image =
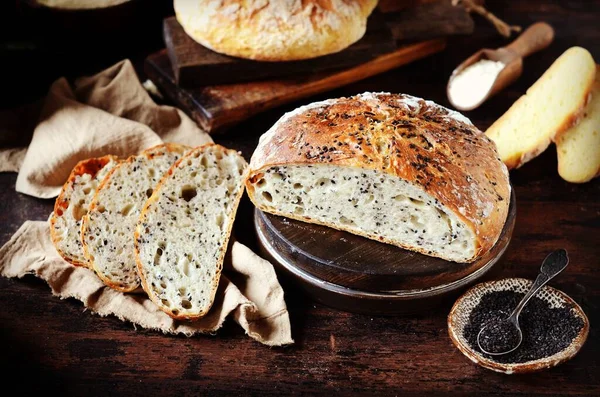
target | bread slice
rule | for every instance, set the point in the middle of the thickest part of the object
(107, 229)
(73, 203)
(182, 234)
(551, 105)
(579, 147)
(389, 167)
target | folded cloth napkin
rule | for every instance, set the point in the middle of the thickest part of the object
(11, 159)
(111, 113)
(258, 305)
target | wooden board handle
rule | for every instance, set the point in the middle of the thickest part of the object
(537, 37)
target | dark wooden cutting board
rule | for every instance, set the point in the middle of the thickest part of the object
(216, 107)
(195, 65)
(358, 274)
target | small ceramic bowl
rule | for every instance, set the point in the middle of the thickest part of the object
(459, 317)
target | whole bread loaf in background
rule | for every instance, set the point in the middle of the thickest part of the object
(393, 168)
(269, 30)
(182, 234)
(72, 204)
(107, 229)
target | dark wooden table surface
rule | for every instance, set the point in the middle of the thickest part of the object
(49, 344)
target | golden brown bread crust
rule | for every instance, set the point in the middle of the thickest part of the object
(274, 30)
(153, 198)
(149, 153)
(90, 166)
(403, 136)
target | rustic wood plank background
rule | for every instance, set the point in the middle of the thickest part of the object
(53, 345)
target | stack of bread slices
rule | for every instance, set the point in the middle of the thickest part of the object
(160, 220)
(562, 106)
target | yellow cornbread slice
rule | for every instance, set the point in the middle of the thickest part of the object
(551, 105)
(579, 147)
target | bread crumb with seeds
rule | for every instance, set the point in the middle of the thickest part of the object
(72, 204)
(182, 235)
(107, 229)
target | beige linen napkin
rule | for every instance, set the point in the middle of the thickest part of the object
(111, 113)
(258, 305)
(12, 159)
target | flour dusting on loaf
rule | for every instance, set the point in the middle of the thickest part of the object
(271, 30)
(390, 167)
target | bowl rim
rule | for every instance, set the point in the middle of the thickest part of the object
(528, 366)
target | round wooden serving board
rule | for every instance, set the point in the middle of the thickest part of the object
(354, 273)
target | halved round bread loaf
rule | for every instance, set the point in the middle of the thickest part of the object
(72, 205)
(274, 30)
(393, 168)
(182, 234)
(107, 229)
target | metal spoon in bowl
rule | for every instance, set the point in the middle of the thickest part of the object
(505, 336)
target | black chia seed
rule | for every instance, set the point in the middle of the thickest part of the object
(546, 331)
(499, 337)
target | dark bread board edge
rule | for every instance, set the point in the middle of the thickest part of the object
(195, 65)
(351, 261)
(351, 291)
